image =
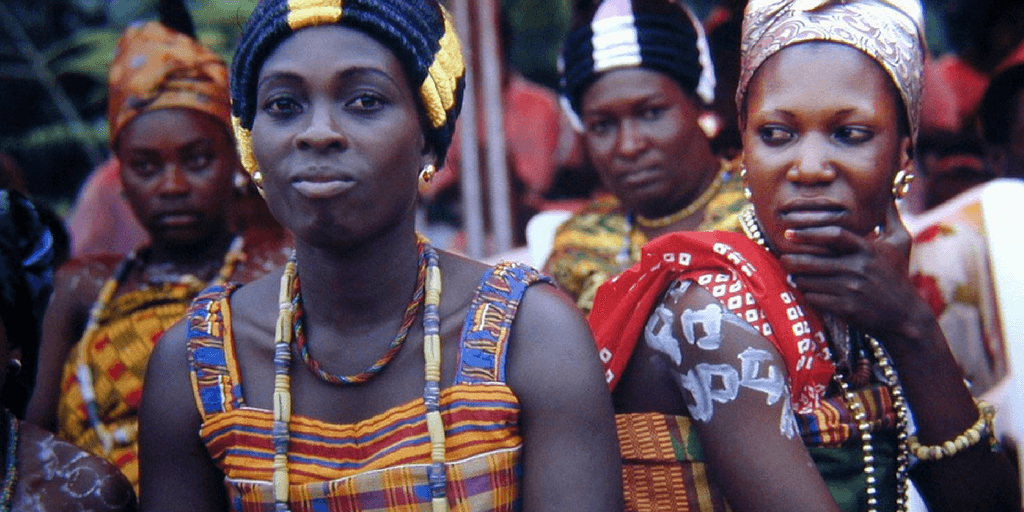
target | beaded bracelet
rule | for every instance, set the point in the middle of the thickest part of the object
(970, 437)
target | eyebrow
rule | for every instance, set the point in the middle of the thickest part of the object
(188, 146)
(347, 74)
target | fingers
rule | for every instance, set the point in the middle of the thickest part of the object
(895, 236)
(824, 241)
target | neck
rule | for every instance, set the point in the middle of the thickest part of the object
(201, 260)
(360, 284)
(686, 213)
(210, 248)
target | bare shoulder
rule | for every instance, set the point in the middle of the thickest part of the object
(81, 278)
(57, 475)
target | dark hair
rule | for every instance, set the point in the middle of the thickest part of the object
(26, 281)
(999, 107)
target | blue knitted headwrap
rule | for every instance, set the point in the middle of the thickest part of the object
(26, 266)
(660, 35)
(418, 32)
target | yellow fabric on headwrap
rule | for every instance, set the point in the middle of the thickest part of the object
(156, 68)
(311, 13)
(243, 141)
(891, 32)
(439, 87)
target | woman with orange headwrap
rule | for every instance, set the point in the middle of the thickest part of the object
(169, 115)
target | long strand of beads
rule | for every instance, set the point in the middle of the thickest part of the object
(432, 387)
(899, 403)
(123, 436)
(287, 301)
(282, 384)
(864, 429)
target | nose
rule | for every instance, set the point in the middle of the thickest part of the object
(321, 133)
(631, 141)
(812, 165)
(173, 182)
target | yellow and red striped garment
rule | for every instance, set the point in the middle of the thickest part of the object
(380, 463)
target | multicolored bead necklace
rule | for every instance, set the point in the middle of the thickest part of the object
(748, 221)
(11, 465)
(429, 290)
(299, 326)
(122, 436)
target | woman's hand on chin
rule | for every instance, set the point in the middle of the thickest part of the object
(861, 279)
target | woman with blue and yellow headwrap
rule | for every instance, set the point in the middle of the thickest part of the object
(295, 392)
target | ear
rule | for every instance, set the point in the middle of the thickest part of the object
(906, 162)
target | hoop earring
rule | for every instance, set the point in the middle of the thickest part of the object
(743, 177)
(257, 179)
(14, 366)
(901, 183)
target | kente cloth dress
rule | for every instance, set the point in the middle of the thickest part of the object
(117, 355)
(599, 241)
(380, 463)
(663, 463)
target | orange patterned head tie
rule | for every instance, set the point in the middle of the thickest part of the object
(155, 67)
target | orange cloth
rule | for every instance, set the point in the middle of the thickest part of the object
(155, 67)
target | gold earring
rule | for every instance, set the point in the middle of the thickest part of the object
(257, 178)
(427, 173)
(901, 183)
(743, 177)
(710, 124)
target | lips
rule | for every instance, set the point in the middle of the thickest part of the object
(178, 218)
(321, 184)
(812, 213)
(638, 177)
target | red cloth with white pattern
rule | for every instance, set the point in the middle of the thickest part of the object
(744, 277)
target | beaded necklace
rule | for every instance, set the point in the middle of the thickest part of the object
(748, 221)
(314, 365)
(288, 300)
(702, 200)
(11, 466)
(122, 436)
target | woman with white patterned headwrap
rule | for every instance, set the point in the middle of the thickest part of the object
(799, 352)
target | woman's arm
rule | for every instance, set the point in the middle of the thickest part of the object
(75, 286)
(175, 471)
(570, 455)
(735, 385)
(864, 281)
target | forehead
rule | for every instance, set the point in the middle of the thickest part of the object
(820, 75)
(323, 51)
(628, 85)
(170, 127)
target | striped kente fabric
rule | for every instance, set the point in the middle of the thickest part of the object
(117, 354)
(380, 463)
(663, 465)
